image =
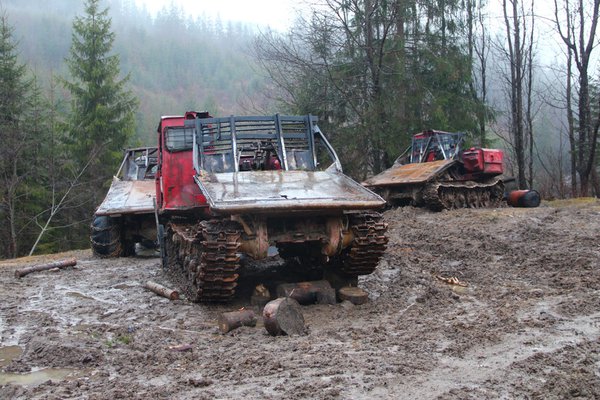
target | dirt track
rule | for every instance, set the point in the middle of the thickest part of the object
(526, 326)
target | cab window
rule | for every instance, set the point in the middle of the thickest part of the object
(179, 139)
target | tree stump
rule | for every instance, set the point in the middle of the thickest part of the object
(234, 319)
(303, 292)
(284, 317)
(354, 295)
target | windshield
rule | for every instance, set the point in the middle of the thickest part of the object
(437, 146)
(179, 139)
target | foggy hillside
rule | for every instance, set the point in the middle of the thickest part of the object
(175, 63)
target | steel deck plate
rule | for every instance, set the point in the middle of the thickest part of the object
(281, 191)
(409, 173)
(128, 197)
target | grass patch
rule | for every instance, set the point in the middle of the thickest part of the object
(578, 201)
(121, 339)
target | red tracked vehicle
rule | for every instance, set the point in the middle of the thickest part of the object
(227, 187)
(435, 172)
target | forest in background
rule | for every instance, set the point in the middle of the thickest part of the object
(176, 62)
(373, 71)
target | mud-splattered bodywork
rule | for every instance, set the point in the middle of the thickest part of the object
(435, 172)
(126, 215)
(263, 181)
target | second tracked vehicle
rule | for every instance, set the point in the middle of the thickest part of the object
(229, 188)
(126, 215)
(435, 172)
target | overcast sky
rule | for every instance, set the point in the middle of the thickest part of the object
(278, 14)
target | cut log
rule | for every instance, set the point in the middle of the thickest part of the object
(229, 321)
(353, 294)
(284, 317)
(303, 292)
(43, 267)
(326, 296)
(162, 291)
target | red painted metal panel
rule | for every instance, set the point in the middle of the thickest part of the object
(473, 160)
(175, 186)
(492, 161)
(487, 161)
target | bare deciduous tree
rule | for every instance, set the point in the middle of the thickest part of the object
(519, 52)
(572, 20)
(479, 45)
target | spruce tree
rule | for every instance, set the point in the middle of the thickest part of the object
(16, 141)
(102, 117)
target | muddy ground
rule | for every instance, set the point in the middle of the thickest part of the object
(526, 326)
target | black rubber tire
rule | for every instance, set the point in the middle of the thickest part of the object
(105, 237)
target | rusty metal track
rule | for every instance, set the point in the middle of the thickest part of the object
(368, 245)
(451, 195)
(203, 258)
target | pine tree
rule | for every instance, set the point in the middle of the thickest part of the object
(102, 115)
(16, 141)
(101, 118)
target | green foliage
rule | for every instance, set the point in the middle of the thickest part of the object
(102, 116)
(30, 155)
(17, 150)
(101, 119)
(175, 63)
(119, 339)
(376, 72)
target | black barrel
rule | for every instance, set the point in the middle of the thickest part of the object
(524, 198)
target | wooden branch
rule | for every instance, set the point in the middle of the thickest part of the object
(234, 319)
(43, 267)
(161, 290)
(57, 207)
(452, 281)
(181, 347)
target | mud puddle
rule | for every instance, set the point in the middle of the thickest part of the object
(9, 353)
(38, 377)
(526, 326)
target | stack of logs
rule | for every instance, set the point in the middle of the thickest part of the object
(283, 316)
